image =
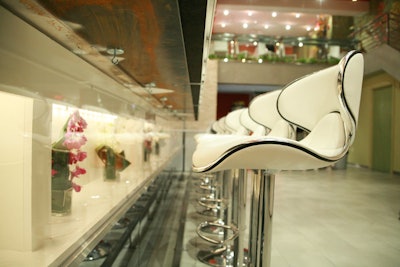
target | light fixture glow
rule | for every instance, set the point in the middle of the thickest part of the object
(274, 14)
(300, 44)
(308, 28)
(223, 25)
(266, 26)
(250, 13)
(297, 15)
(288, 27)
(226, 12)
(245, 25)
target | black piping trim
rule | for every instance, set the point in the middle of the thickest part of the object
(351, 54)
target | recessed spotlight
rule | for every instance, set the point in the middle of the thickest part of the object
(226, 12)
(245, 25)
(274, 14)
(250, 13)
(288, 27)
(223, 25)
(266, 26)
(297, 15)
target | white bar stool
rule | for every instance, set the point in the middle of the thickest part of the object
(326, 105)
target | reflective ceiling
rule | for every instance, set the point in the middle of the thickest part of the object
(279, 18)
(144, 45)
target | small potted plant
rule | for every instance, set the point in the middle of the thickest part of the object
(66, 154)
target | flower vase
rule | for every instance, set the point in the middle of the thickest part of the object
(110, 173)
(61, 202)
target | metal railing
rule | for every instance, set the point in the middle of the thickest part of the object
(384, 29)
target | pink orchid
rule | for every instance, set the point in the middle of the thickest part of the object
(74, 140)
(76, 123)
(76, 187)
(75, 158)
(78, 171)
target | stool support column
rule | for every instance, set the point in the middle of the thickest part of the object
(261, 217)
(240, 217)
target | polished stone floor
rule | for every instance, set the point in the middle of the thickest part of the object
(328, 217)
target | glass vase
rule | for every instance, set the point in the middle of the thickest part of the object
(110, 174)
(61, 202)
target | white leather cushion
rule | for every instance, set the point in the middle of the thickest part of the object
(328, 136)
(307, 100)
(281, 129)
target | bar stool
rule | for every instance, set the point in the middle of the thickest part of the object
(326, 105)
(228, 223)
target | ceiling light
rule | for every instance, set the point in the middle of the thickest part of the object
(223, 25)
(250, 13)
(266, 26)
(274, 14)
(308, 28)
(288, 27)
(297, 15)
(226, 12)
(245, 25)
(255, 43)
(300, 44)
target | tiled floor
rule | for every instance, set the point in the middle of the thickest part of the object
(335, 218)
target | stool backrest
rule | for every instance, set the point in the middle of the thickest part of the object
(337, 89)
(255, 128)
(232, 121)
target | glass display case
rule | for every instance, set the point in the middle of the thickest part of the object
(62, 115)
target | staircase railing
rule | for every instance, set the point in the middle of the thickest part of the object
(384, 29)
